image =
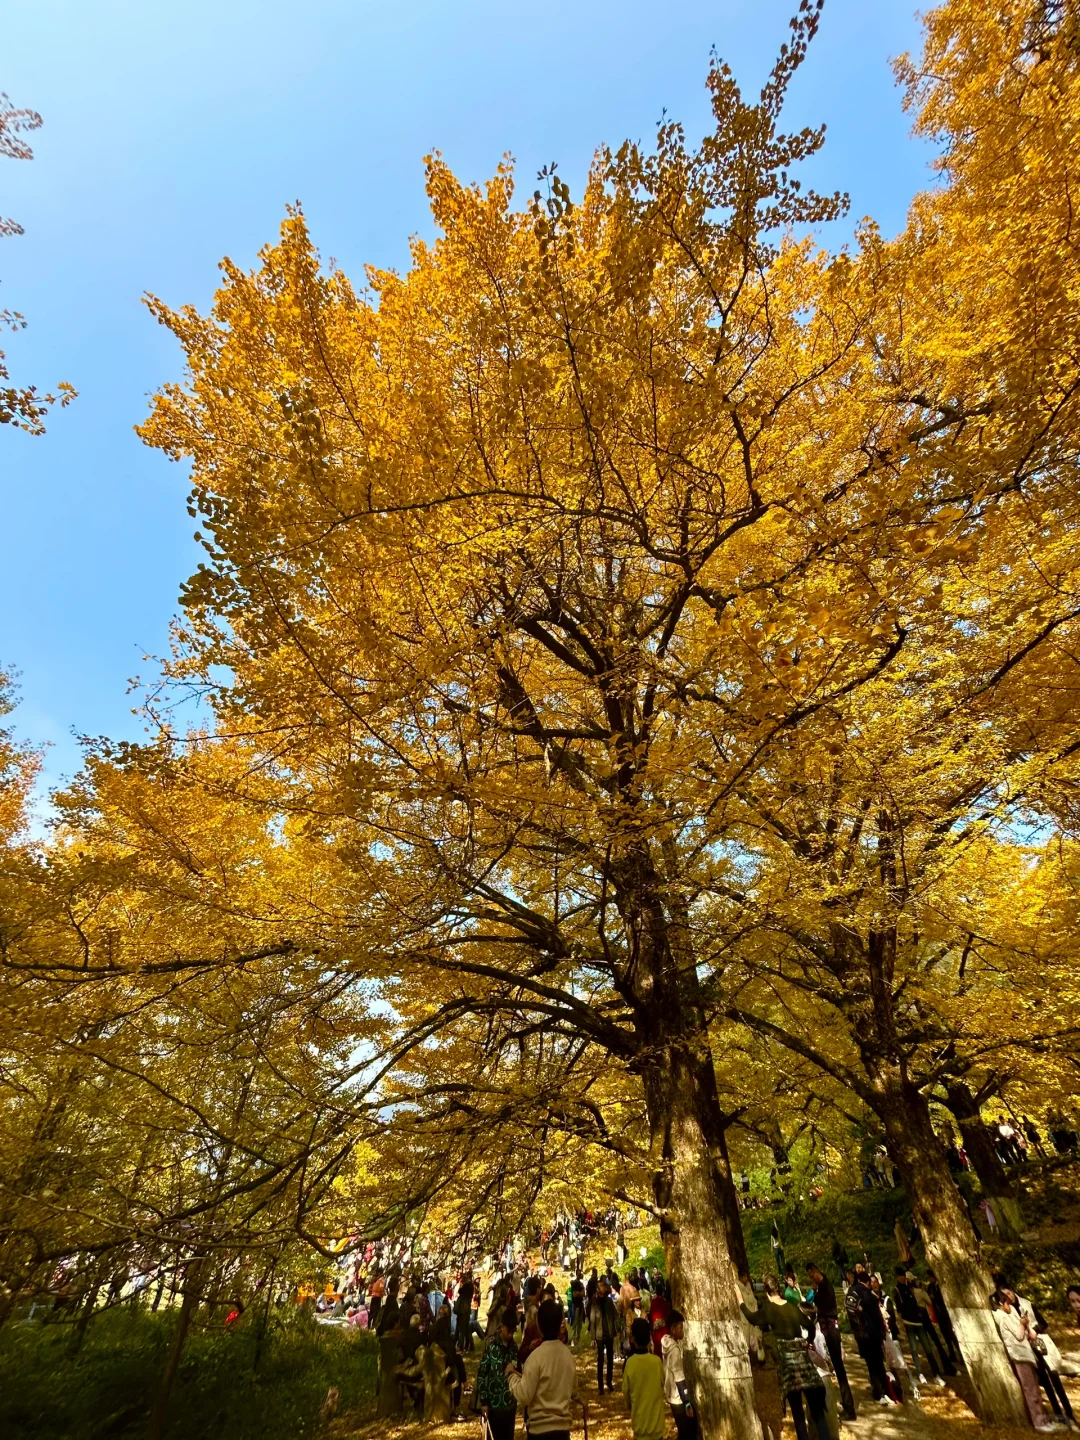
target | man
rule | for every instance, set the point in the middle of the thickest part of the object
(547, 1384)
(603, 1327)
(829, 1323)
(868, 1325)
(915, 1327)
(941, 1315)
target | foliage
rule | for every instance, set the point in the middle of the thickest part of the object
(21, 405)
(45, 1390)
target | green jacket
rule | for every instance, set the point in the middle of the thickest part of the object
(492, 1389)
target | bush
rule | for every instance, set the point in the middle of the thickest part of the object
(107, 1388)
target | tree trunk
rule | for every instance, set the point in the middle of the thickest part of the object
(951, 1247)
(93, 1289)
(729, 1198)
(693, 1178)
(156, 1428)
(993, 1177)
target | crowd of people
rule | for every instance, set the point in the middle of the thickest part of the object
(531, 1326)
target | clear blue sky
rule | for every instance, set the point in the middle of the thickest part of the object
(175, 133)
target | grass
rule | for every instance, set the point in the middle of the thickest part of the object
(106, 1390)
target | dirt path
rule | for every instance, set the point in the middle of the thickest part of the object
(937, 1415)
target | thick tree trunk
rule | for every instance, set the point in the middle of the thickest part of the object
(951, 1247)
(993, 1177)
(691, 1183)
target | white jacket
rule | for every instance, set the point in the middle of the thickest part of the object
(547, 1384)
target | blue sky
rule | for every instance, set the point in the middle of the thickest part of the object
(176, 133)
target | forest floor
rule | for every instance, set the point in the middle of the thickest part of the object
(939, 1414)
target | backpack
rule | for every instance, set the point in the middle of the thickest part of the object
(854, 1312)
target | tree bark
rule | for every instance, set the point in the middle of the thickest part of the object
(691, 1183)
(156, 1428)
(993, 1177)
(951, 1246)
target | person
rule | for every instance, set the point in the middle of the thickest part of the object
(829, 1322)
(659, 1310)
(643, 1385)
(915, 1327)
(577, 1308)
(493, 1393)
(895, 1364)
(791, 1286)
(754, 1342)
(390, 1310)
(925, 1305)
(785, 1330)
(1048, 1361)
(590, 1290)
(603, 1327)
(675, 1389)
(1007, 1147)
(868, 1327)
(546, 1385)
(942, 1318)
(1031, 1130)
(378, 1290)
(463, 1312)
(1016, 1337)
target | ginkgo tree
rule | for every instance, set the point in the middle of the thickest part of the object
(536, 571)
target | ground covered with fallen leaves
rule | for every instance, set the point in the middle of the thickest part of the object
(938, 1414)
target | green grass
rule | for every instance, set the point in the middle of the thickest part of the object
(863, 1220)
(107, 1388)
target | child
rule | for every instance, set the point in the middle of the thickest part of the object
(675, 1388)
(643, 1384)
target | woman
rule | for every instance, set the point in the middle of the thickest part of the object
(786, 1336)
(492, 1390)
(1048, 1361)
(1016, 1337)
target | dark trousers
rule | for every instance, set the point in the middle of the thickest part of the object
(948, 1334)
(947, 1366)
(502, 1424)
(685, 1425)
(831, 1330)
(873, 1353)
(604, 1347)
(815, 1403)
(919, 1345)
(1055, 1390)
